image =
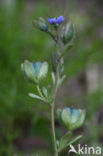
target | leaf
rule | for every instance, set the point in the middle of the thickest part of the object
(67, 48)
(50, 93)
(36, 97)
(57, 143)
(59, 111)
(65, 150)
(64, 140)
(75, 141)
(45, 92)
(61, 80)
(53, 77)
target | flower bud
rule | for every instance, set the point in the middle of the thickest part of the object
(71, 118)
(35, 72)
(67, 33)
(40, 24)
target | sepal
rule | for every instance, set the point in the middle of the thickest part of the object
(43, 71)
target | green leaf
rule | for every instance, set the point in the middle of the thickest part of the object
(36, 97)
(75, 141)
(50, 93)
(59, 111)
(64, 140)
(61, 80)
(57, 143)
(65, 150)
(45, 92)
(53, 77)
(67, 48)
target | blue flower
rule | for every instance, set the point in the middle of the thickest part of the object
(56, 20)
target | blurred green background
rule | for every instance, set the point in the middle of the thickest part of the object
(24, 122)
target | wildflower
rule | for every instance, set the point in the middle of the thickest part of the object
(56, 20)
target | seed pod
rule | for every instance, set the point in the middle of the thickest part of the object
(71, 118)
(35, 72)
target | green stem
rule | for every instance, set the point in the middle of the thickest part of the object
(53, 112)
(54, 97)
(53, 130)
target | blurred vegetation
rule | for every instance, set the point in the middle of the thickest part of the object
(23, 118)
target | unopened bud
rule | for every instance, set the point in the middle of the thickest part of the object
(40, 24)
(67, 33)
